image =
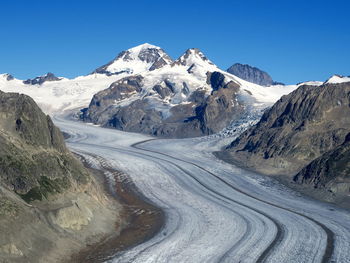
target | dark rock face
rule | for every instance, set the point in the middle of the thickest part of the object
(156, 56)
(34, 160)
(220, 108)
(137, 117)
(202, 115)
(9, 77)
(331, 170)
(40, 80)
(118, 91)
(251, 74)
(309, 125)
(162, 91)
(185, 89)
(217, 80)
(160, 62)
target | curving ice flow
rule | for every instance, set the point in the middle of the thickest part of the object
(215, 212)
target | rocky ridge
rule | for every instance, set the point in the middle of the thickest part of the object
(41, 79)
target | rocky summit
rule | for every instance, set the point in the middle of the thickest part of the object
(40, 80)
(251, 74)
(146, 56)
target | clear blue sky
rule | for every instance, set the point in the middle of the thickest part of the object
(294, 41)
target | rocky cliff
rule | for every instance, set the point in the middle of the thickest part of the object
(49, 203)
(309, 127)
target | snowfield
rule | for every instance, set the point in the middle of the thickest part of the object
(215, 212)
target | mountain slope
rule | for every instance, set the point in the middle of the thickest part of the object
(167, 109)
(32, 147)
(312, 122)
(177, 100)
(49, 203)
(330, 170)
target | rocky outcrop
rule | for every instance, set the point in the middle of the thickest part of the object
(40, 80)
(309, 127)
(221, 107)
(202, 114)
(251, 74)
(9, 77)
(34, 161)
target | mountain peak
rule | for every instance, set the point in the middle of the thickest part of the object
(192, 56)
(135, 60)
(142, 47)
(7, 76)
(41, 79)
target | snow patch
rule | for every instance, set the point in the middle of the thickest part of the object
(335, 79)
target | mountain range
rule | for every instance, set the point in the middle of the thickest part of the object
(144, 90)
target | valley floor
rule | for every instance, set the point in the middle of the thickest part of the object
(214, 211)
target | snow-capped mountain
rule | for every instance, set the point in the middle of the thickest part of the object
(136, 60)
(188, 97)
(143, 89)
(151, 62)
